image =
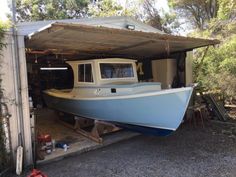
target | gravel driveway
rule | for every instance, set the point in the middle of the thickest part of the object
(190, 152)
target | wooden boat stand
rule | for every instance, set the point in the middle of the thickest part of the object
(196, 113)
(98, 129)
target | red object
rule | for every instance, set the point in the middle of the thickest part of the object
(36, 173)
(44, 138)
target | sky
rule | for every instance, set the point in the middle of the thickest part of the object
(5, 9)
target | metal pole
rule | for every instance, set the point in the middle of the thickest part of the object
(13, 12)
(17, 78)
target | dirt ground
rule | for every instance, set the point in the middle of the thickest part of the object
(190, 151)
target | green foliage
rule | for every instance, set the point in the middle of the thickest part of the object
(2, 30)
(32, 10)
(4, 158)
(227, 9)
(213, 19)
(218, 69)
(106, 8)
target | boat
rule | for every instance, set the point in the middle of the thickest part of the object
(108, 90)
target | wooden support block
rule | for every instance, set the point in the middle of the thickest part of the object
(83, 122)
(66, 124)
(98, 128)
(94, 137)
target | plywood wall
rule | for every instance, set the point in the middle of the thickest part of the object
(164, 71)
(189, 68)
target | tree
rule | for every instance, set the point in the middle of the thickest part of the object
(1, 35)
(164, 21)
(152, 15)
(32, 10)
(3, 27)
(197, 12)
(106, 8)
(217, 72)
(212, 19)
(227, 9)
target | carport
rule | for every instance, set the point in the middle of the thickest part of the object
(57, 42)
(96, 42)
(67, 41)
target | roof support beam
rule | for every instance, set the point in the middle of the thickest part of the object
(131, 46)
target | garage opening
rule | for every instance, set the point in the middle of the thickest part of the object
(160, 58)
(55, 134)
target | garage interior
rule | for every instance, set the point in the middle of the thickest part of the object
(160, 58)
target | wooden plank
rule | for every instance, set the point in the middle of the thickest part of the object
(218, 110)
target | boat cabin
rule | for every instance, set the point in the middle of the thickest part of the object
(108, 77)
(104, 72)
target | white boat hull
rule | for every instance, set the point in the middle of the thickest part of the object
(160, 110)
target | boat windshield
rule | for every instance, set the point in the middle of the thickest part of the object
(116, 70)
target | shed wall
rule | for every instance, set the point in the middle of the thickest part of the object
(16, 96)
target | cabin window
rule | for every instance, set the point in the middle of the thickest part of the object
(116, 70)
(85, 73)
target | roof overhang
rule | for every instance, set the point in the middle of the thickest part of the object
(109, 42)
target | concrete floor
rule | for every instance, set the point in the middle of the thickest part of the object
(188, 152)
(47, 123)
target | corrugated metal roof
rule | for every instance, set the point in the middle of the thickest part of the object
(107, 42)
(119, 22)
